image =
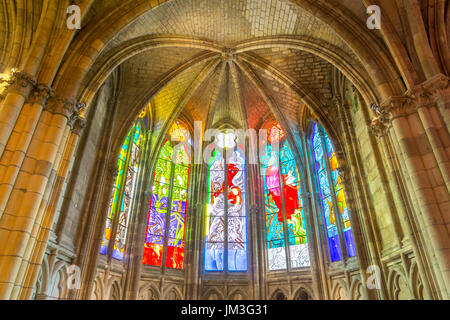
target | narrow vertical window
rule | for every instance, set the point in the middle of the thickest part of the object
(123, 192)
(286, 237)
(164, 243)
(332, 197)
(226, 220)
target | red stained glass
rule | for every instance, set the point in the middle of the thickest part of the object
(175, 257)
(291, 198)
(152, 254)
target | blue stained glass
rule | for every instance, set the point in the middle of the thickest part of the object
(221, 223)
(237, 257)
(323, 154)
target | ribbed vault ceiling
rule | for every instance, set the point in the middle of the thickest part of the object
(214, 83)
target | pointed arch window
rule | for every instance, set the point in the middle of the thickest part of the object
(226, 216)
(164, 243)
(332, 198)
(286, 238)
(122, 194)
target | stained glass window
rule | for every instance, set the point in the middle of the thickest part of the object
(286, 236)
(332, 197)
(226, 220)
(165, 241)
(122, 194)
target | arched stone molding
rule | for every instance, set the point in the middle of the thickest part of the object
(114, 290)
(237, 294)
(97, 289)
(149, 291)
(279, 294)
(367, 47)
(213, 294)
(172, 292)
(398, 285)
(340, 291)
(356, 290)
(328, 52)
(303, 293)
(43, 280)
(57, 288)
(415, 282)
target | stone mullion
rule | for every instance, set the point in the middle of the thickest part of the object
(318, 261)
(19, 88)
(256, 231)
(284, 214)
(168, 214)
(421, 186)
(322, 236)
(23, 205)
(195, 235)
(18, 143)
(47, 223)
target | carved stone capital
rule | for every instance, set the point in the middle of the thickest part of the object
(390, 109)
(18, 81)
(64, 107)
(41, 94)
(437, 86)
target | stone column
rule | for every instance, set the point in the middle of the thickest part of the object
(19, 141)
(45, 225)
(23, 205)
(19, 86)
(427, 181)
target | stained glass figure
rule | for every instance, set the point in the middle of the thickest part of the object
(285, 223)
(168, 204)
(226, 221)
